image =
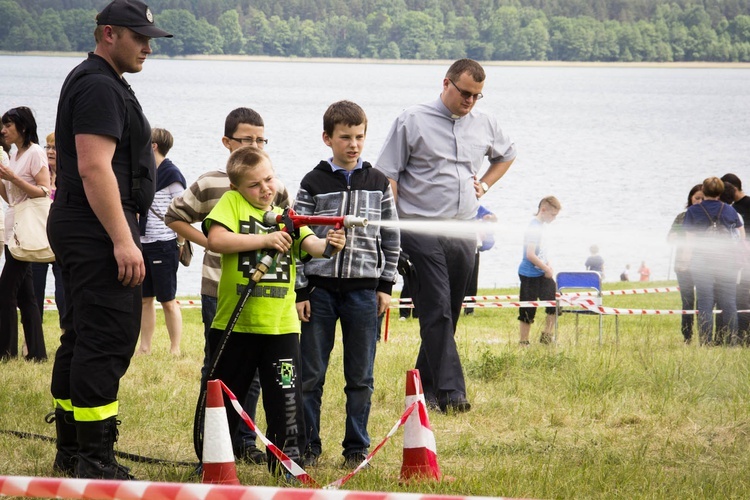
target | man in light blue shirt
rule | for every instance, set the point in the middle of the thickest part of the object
(432, 156)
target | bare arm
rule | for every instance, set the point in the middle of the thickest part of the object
(95, 153)
(41, 179)
(492, 175)
(222, 240)
(534, 259)
(316, 246)
(188, 232)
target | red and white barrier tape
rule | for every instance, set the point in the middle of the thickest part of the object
(49, 304)
(401, 421)
(287, 462)
(290, 464)
(101, 489)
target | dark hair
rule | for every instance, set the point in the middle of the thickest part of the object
(163, 140)
(728, 195)
(693, 190)
(732, 179)
(343, 113)
(243, 160)
(241, 115)
(25, 123)
(470, 66)
(712, 187)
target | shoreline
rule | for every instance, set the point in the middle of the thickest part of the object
(440, 62)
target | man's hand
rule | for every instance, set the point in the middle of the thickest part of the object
(130, 267)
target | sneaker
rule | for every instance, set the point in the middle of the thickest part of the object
(524, 343)
(310, 459)
(431, 401)
(352, 461)
(546, 338)
(252, 455)
(402, 318)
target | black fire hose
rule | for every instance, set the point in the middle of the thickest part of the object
(200, 409)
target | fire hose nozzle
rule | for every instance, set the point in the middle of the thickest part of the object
(271, 218)
(352, 221)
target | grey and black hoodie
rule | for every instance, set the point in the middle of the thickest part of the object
(371, 253)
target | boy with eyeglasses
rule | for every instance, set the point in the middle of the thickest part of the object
(242, 127)
(354, 287)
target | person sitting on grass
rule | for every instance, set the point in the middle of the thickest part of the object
(265, 336)
(535, 273)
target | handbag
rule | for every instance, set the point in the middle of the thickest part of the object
(186, 255)
(29, 242)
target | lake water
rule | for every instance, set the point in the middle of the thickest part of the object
(620, 147)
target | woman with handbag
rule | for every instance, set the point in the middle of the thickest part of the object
(26, 176)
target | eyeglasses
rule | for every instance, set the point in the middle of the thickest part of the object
(248, 141)
(49, 147)
(465, 94)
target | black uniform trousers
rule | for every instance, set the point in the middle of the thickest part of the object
(102, 318)
(443, 270)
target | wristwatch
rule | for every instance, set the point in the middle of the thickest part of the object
(485, 187)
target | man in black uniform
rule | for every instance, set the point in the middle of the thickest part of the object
(105, 177)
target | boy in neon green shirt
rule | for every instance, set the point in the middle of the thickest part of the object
(266, 335)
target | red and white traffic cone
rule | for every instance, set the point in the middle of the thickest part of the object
(218, 457)
(420, 451)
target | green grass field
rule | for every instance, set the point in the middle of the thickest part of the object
(648, 417)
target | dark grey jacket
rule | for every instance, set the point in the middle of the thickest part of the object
(371, 253)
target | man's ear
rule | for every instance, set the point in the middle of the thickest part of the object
(225, 142)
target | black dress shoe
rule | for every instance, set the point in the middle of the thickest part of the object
(455, 405)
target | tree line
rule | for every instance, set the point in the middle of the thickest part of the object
(517, 30)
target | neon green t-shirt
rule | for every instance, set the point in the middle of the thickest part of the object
(271, 307)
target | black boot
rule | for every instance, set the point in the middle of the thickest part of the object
(67, 442)
(96, 454)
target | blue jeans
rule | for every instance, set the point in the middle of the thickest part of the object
(715, 283)
(357, 311)
(242, 437)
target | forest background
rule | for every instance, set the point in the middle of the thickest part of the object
(486, 30)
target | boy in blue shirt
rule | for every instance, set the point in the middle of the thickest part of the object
(266, 334)
(354, 287)
(536, 275)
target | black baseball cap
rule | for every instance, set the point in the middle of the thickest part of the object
(131, 14)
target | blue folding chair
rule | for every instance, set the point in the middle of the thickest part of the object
(569, 284)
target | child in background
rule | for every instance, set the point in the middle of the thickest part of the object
(354, 288)
(266, 335)
(644, 271)
(537, 276)
(595, 262)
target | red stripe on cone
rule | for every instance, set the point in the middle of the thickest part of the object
(420, 452)
(218, 457)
